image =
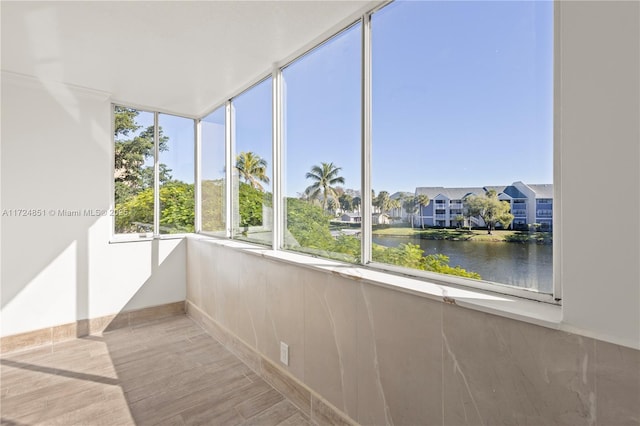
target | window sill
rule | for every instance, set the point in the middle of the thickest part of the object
(133, 238)
(531, 311)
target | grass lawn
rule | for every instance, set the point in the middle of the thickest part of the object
(466, 235)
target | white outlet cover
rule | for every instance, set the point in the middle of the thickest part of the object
(284, 353)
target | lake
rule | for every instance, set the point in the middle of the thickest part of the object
(522, 265)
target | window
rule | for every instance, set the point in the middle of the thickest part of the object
(212, 173)
(176, 174)
(462, 97)
(322, 147)
(253, 197)
(134, 158)
(453, 96)
(153, 173)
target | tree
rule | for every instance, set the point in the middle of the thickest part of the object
(490, 209)
(132, 150)
(332, 205)
(459, 220)
(213, 205)
(411, 207)
(422, 200)
(396, 205)
(346, 202)
(177, 204)
(133, 176)
(325, 177)
(308, 225)
(356, 203)
(252, 168)
(382, 201)
(250, 201)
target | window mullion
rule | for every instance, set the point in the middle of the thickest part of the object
(228, 143)
(365, 205)
(156, 175)
(277, 144)
(197, 124)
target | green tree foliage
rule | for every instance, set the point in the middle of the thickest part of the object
(412, 256)
(134, 147)
(325, 177)
(332, 206)
(250, 201)
(346, 202)
(411, 207)
(212, 205)
(490, 209)
(395, 206)
(177, 201)
(132, 150)
(356, 203)
(382, 201)
(252, 168)
(309, 225)
(421, 201)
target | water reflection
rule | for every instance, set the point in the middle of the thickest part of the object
(522, 265)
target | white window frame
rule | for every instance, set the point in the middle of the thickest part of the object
(155, 234)
(278, 129)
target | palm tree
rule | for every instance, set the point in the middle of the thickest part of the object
(422, 201)
(356, 204)
(395, 206)
(332, 205)
(324, 176)
(252, 168)
(382, 201)
(411, 207)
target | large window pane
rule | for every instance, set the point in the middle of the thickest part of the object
(253, 197)
(176, 174)
(133, 171)
(322, 144)
(212, 170)
(462, 139)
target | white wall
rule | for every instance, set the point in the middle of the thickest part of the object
(599, 159)
(57, 154)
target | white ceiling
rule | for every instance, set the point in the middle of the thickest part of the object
(177, 56)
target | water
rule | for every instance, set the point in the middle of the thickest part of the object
(522, 265)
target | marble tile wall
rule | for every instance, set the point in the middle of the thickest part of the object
(387, 357)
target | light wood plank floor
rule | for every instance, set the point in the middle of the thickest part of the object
(168, 372)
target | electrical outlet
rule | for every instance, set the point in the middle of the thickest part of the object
(284, 353)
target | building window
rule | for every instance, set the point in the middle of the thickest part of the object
(153, 173)
(252, 196)
(212, 173)
(473, 82)
(322, 98)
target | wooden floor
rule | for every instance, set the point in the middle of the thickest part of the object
(166, 373)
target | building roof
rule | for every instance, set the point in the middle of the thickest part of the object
(513, 192)
(451, 193)
(541, 190)
(400, 194)
(544, 190)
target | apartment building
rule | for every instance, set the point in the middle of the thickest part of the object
(530, 204)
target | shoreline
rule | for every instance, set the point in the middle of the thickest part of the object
(499, 236)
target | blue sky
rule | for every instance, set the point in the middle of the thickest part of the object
(462, 96)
